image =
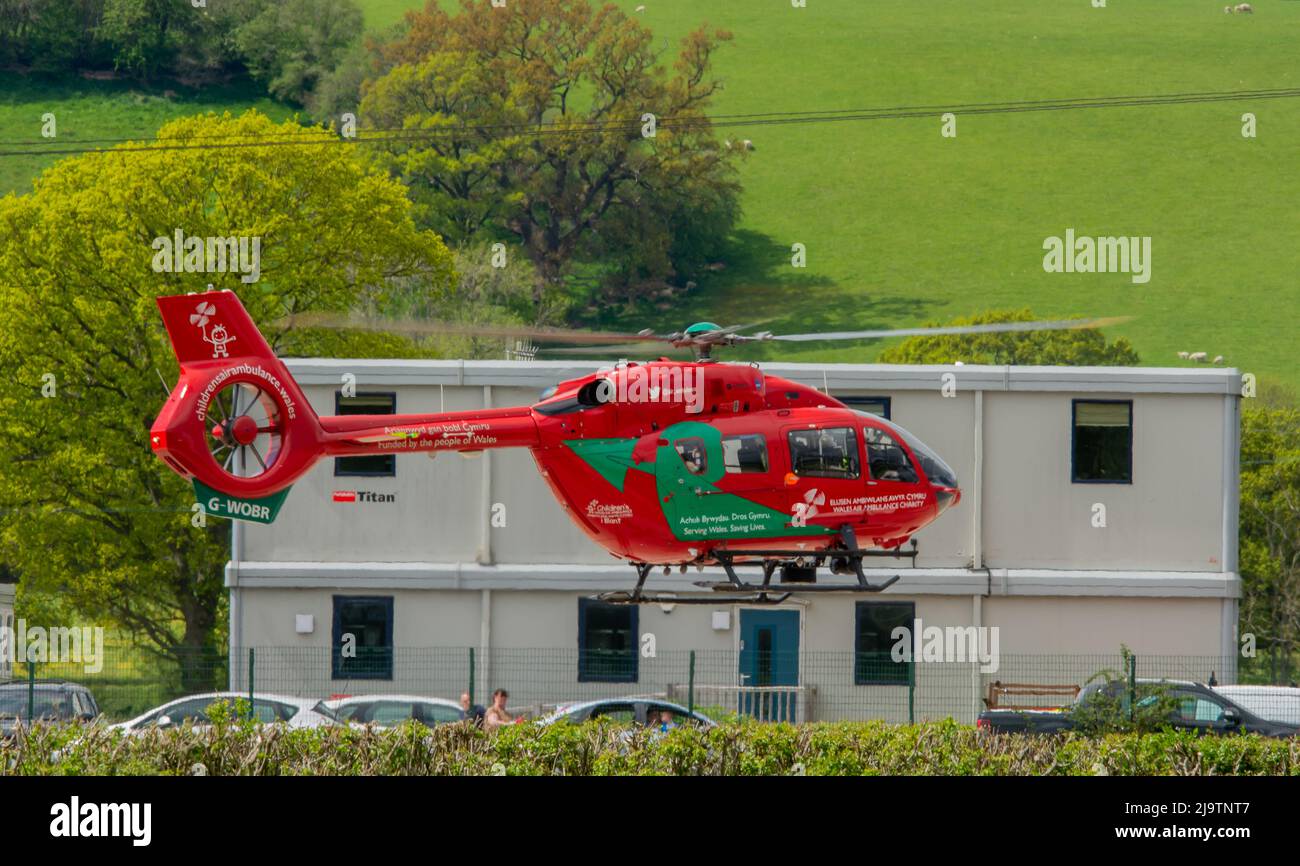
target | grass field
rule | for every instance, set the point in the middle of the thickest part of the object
(902, 225)
(86, 110)
(382, 13)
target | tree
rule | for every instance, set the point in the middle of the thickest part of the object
(86, 510)
(1269, 544)
(1082, 347)
(293, 45)
(532, 119)
(49, 35)
(147, 35)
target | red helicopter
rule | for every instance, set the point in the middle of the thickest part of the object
(665, 463)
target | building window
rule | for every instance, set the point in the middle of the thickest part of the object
(1103, 441)
(746, 452)
(828, 453)
(874, 641)
(363, 637)
(607, 642)
(374, 403)
(874, 405)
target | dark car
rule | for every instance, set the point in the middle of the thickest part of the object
(1195, 707)
(47, 700)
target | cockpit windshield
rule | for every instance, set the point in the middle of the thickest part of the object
(931, 463)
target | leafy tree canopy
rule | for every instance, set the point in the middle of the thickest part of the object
(1270, 529)
(86, 510)
(531, 120)
(1083, 347)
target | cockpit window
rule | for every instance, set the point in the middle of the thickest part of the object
(886, 458)
(693, 454)
(931, 463)
(828, 453)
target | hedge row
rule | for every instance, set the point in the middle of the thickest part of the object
(872, 748)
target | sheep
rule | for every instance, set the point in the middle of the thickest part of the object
(1183, 355)
(1244, 8)
(1198, 357)
(640, 8)
(747, 145)
(1227, 10)
(1218, 360)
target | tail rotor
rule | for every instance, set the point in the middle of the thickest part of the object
(246, 438)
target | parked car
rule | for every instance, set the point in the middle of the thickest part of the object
(647, 712)
(1198, 708)
(51, 701)
(388, 710)
(1275, 703)
(268, 709)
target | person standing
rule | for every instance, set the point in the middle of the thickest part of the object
(496, 715)
(473, 712)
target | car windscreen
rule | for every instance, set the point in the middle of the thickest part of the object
(286, 711)
(46, 703)
(1270, 707)
(326, 710)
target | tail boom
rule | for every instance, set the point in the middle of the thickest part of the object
(237, 423)
(473, 430)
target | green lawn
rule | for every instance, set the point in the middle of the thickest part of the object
(382, 13)
(904, 226)
(87, 110)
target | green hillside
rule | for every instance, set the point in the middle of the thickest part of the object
(904, 226)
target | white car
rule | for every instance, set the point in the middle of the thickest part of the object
(387, 710)
(1274, 703)
(294, 712)
(647, 712)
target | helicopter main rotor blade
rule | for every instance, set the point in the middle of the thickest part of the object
(625, 350)
(335, 321)
(941, 330)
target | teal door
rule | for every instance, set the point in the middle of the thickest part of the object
(769, 659)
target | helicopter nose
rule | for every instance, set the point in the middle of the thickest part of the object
(947, 497)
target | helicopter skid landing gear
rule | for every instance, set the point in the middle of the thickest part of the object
(798, 575)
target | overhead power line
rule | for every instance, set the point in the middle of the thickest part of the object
(564, 127)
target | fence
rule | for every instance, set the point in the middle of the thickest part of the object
(806, 686)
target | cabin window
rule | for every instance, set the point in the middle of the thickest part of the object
(363, 637)
(1102, 442)
(886, 458)
(371, 466)
(875, 636)
(879, 406)
(693, 454)
(831, 452)
(607, 642)
(744, 453)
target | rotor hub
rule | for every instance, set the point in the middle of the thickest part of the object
(243, 430)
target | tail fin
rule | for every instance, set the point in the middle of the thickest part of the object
(213, 326)
(236, 423)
